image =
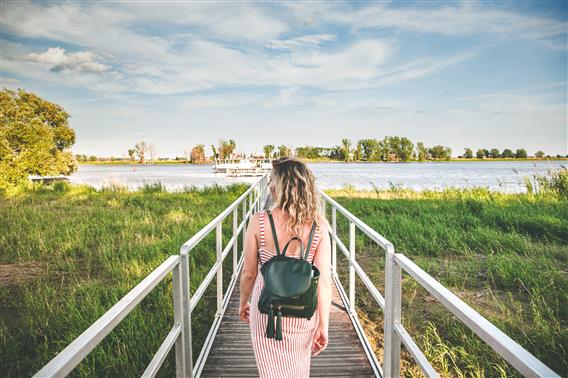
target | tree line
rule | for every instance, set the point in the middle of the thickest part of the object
(388, 149)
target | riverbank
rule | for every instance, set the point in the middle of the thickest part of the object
(324, 160)
(71, 252)
(505, 255)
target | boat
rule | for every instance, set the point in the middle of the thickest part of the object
(243, 167)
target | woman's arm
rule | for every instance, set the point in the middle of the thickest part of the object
(250, 267)
(323, 262)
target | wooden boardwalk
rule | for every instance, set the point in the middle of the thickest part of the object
(232, 355)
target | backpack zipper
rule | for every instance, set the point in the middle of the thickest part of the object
(292, 307)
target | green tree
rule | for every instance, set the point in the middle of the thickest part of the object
(35, 138)
(495, 153)
(440, 152)
(421, 151)
(369, 148)
(284, 150)
(468, 154)
(486, 153)
(521, 153)
(214, 151)
(131, 153)
(480, 154)
(539, 154)
(268, 150)
(345, 149)
(400, 146)
(507, 154)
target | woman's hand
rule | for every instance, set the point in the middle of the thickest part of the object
(320, 341)
(244, 312)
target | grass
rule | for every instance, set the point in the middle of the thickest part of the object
(505, 255)
(68, 253)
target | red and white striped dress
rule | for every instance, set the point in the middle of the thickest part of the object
(291, 356)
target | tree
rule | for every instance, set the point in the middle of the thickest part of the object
(368, 148)
(539, 154)
(480, 154)
(507, 154)
(35, 138)
(468, 154)
(268, 150)
(345, 149)
(495, 153)
(131, 153)
(215, 154)
(141, 148)
(521, 153)
(486, 153)
(198, 154)
(284, 151)
(226, 148)
(401, 147)
(421, 151)
(440, 152)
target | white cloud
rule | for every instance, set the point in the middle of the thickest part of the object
(313, 40)
(83, 61)
(464, 18)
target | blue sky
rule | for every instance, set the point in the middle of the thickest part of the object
(175, 74)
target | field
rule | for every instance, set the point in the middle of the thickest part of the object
(505, 255)
(68, 253)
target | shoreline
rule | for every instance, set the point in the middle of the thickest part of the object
(315, 161)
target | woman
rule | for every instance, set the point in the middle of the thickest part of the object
(293, 189)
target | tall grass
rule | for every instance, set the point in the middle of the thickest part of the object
(68, 253)
(505, 255)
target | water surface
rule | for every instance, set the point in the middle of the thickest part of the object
(504, 176)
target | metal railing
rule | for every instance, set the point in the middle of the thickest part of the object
(394, 331)
(180, 335)
(184, 304)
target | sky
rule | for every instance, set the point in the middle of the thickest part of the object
(475, 74)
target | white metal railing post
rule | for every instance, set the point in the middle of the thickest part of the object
(178, 320)
(393, 278)
(219, 250)
(333, 241)
(250, 204)
(352, 268)
(235, 243)
(186, 313)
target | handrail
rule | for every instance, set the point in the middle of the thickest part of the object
(520, 358)
(394, 331)
(180, 334)
(184, 304)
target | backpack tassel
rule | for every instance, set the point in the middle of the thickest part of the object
(278, 326)
(270, 325)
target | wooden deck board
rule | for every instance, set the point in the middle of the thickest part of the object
(232, 354)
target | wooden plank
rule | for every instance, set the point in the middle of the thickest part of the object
(232, 354)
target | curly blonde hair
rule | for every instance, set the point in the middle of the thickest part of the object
(296, 193)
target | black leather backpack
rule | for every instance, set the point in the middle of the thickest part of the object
(290, 284)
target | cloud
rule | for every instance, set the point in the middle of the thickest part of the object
(82, 61)
(313, 40)
(465, 18)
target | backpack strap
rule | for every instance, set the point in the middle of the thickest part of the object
(274, 236)
(310, 240)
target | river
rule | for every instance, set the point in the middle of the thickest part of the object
(504, 176)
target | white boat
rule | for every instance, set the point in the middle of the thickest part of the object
(237, 167)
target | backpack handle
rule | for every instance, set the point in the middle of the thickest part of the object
(303, 254)
(301, 246)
